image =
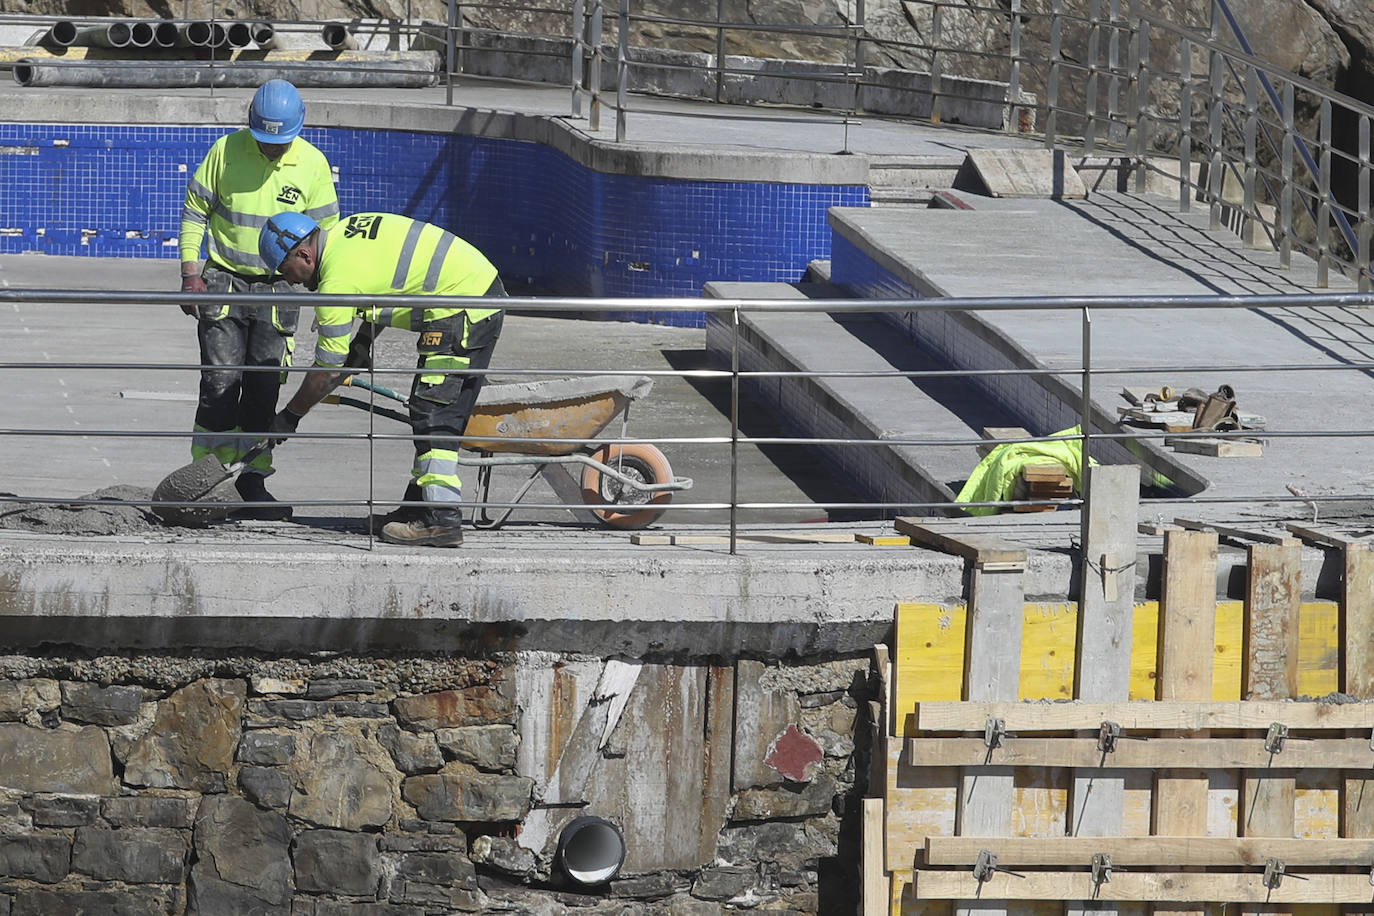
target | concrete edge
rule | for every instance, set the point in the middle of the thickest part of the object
(558, 132)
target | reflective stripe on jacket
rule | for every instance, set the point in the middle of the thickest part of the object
(237, 189)
(389, 254)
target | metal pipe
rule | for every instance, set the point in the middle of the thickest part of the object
(145, 74)
(590, 850)
(140, 34)
(62, 34)
(165, 34)
(114, 35)
(238, 34)
(263, 34)
(194, 35)
(338, 37)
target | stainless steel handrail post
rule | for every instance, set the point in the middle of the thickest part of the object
(936, 65)
(1362, 245)
(1285, 228)
(734, 429)
(1116, 130)
(1133, 102)
(1215, 104)
(860, 56)
(594, 57)
(450, 50)
(1052, 89)
(1091, 90)
(1185, 124)
(1142, 106)
(1085, 417)
(1324, 196)
(720, 51)
(1014, 69)
(1249, 212)
(622, 69)
(579, 51)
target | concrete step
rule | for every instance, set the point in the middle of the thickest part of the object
(870, 408)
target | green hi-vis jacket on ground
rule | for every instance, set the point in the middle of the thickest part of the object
(237, 189)
(388, 254)
(994, 479)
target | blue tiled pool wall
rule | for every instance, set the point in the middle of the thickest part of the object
(548, 223)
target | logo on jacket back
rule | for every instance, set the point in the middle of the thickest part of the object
(289, 196)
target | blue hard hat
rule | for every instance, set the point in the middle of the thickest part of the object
(277, 113)
(280, 234)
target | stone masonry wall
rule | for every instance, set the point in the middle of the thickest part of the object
(394, 787)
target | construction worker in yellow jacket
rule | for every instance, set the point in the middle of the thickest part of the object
(246, 177)
(381, 254)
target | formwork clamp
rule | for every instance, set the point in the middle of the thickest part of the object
(1102, 869)
(1273, 741)
(994, 730)
(1108, 734)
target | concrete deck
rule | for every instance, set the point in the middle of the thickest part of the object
(322, 582)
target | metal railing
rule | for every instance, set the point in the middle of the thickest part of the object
(1096, 438)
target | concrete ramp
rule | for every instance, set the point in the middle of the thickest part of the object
(1026, 173)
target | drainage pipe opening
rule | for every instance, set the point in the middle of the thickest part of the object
(591, 850)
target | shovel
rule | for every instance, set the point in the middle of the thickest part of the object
(197, 483)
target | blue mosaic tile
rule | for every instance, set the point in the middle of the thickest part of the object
(546, 222)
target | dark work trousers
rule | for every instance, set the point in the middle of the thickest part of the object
(439, 412)
(239, 335)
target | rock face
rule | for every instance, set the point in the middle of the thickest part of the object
(328, 794)
(1329, 41)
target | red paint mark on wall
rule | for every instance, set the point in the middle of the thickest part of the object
(795, 755)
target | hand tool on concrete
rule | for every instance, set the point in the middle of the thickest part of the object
(356, 382)
(201, 482)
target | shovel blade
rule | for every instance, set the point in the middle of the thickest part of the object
(198, 482)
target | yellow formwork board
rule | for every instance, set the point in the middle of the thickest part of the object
(929, 652)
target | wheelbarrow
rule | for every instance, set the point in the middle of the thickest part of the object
(626, 485)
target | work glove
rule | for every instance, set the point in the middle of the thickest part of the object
(360, 348)
(285, 421)
(195, 283)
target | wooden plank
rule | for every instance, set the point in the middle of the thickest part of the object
(1356, 677)
(992, 671)
(1323, 536)
(884, 540)
(1169, 887)
(1273, 596)
(1159, 715)
(1103, 640)
(932, 641)
(876, 900)
(713, 540)
(1150, 851)
(1000, 432)
(1204, 753)
(1187, 637)
(955, 538)
(1187, 620)
(1273, 599)
(1245, 534)
(1213, 447)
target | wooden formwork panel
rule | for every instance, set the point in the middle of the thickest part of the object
(1205, 652)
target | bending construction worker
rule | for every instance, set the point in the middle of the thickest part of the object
(246, 177)
(380, 254)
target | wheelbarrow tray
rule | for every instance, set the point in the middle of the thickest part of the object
(571, 408)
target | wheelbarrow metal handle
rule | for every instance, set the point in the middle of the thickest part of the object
(357, 382)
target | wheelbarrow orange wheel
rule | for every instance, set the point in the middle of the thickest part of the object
(633, 508)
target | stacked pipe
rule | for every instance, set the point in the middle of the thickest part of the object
(346, 67)
(162, 34)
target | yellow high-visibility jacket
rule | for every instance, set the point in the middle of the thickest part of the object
(237, 189)
(389, 254)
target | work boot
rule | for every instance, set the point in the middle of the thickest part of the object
(422, 532)
(253, 489)
(376, 522)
